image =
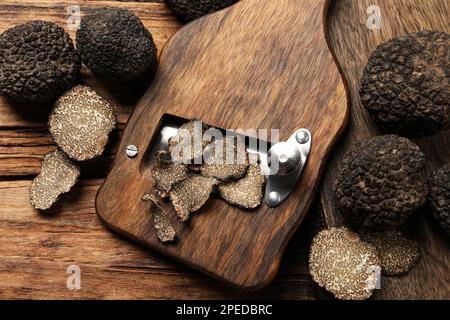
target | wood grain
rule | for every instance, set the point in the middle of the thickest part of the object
(256, 65)
(353, 43)
(37, 249)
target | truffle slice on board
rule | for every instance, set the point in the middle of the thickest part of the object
(188, 10)
(381, 182)
(228, 159)
(58, 175)
(166, 173)
(343, 264)
(439, 199)
(397, 254)
(188, 145)
(406, 84)
(38, 62)
(81, 122)
(247, 192)
(191, 194)
(163, 226)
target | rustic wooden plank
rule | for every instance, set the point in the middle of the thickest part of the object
(22, 150)
(353, 43)
(33, 274)
(37, 249)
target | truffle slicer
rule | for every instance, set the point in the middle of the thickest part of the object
(255, 65)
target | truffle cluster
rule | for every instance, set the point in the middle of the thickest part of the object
(439, 199)
(381, 182)
(116, 46)
(38, 62)
(406, 86)
(189, 186)
(80, 124)
(188, 10)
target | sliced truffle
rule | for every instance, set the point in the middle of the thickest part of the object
(166, 173)
(381, 182)
(191, 194)
(406, 86)
(58, 175)
(440, 196)
(188, 145)
(81, 122)
(228, 159)
(38, 62)
(397, 254)
(247, 192)
(188, 10)
(116, 46)
(343, 264)
(163, 226)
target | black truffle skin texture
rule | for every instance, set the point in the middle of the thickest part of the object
(405, 85)
(38, 62)
(116, 46)
(188, 10)
(381, 182)
(439, 198)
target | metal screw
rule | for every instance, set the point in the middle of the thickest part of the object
(302, 137)
(273, 199)
(132, 151)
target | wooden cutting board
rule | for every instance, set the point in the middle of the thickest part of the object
(258, 64)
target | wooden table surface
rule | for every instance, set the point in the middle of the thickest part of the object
(37, 249)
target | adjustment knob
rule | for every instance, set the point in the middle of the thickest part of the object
(284, 158)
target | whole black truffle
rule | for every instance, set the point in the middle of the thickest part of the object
(440, 196)
(381, 182)
(188, 10)
(406, 86)
(116, 46)
(38, 62)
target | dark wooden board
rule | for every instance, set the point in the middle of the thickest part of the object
(353, 43)
(255, 65)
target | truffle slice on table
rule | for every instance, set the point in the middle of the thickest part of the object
(166, 173)
(397, 253)
(81, 122)
(188, 10)
(38, 62)
(406, 84)
(188, 145)
(247, 192)
(381, 182)
(116, 46)
(191, 194)
(439, 199)
(163, 226)
(343, 264)
(58, 175)
(228, 159)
